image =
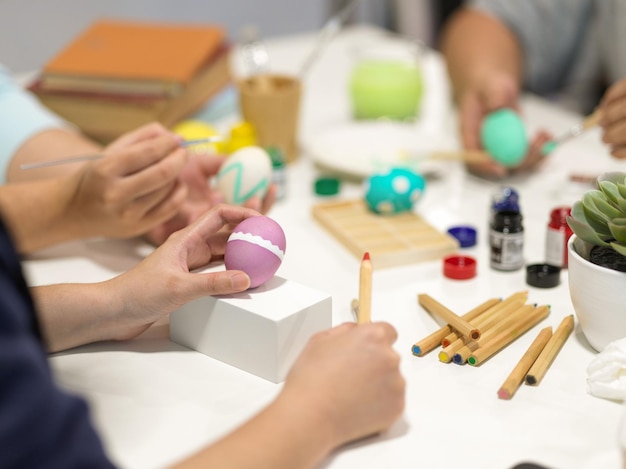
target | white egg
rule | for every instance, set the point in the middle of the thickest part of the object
(245, 173)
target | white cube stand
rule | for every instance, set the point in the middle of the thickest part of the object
(262, 330)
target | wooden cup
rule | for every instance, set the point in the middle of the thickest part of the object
(271, 103)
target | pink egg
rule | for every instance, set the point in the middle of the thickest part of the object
(256, 246)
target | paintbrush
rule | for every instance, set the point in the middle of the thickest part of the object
(589, 122)
(76, 159)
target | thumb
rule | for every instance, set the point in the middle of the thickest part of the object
(219, 283)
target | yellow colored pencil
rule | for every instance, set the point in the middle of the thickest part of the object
(550, 351)
(516, 377)
(365, 290)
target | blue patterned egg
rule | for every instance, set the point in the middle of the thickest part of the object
(395, 191)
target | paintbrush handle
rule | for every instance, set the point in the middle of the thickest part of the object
(592, 120)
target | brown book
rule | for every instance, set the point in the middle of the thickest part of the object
(105, 116)
(114, 56)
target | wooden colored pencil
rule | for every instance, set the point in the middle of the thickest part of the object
(516, 377)
(507, 336)
(457, 322)
(365, 290)
(502, 308)
(506, 323)
(432, 341)
(500, 316)
(550, 351)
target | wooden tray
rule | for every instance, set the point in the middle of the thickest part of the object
(391, 240)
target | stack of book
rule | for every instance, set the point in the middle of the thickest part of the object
(118, 75)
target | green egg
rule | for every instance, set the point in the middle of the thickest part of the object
(503, 135)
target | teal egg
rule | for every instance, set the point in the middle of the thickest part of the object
(503, 136)
(395, 191)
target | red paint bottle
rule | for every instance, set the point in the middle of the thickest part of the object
(557, 236)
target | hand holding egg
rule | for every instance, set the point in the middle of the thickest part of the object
(503, 136)
(257, 247)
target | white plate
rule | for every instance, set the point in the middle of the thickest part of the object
(363, 148)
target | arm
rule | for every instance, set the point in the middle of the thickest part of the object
(131, 189)
(125, 306)
(485, 63)
(345, 385)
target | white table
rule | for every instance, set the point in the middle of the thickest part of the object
(154, 401)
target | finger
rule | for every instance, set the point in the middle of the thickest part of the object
(614, 134)
(613, 113)
(270, 198)
(144, 132)
(135, 157)
(384, 331)
(219, 283)
(159, 203)
(471, 116)
(210, 164)
(489, 169)
(217, 218)
(154, 177)
(619, 152)
(615, 92)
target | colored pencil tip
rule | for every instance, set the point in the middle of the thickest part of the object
(472, 360)
(444, 357)
(458, 359)
(504, 394)
(416, 350)
(366, 256)
(531, 380)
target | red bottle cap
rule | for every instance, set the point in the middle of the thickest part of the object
(459, 267)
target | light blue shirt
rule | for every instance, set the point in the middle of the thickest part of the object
(21, 117)
(572, 48)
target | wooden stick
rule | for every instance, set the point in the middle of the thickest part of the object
(548, 354)
(433, 340)
(354, 308)
(365, 290)
(507, 336)
(516, 317)
(457, 322)
(516, 377)
(504, 307)
(467, 156)
(77, 159)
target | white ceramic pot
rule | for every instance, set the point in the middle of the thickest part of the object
(598, 295)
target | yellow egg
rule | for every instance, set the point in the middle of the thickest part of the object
(196, 129)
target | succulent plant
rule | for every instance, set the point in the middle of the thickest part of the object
(600, 216)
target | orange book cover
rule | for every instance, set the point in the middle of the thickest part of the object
(138, 50)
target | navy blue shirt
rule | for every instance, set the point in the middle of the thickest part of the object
(40, 425)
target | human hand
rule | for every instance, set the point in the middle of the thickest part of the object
(613, 118)
(347, 380)
(131, 189)
(164, 281)
(487, 95)
(196, 174)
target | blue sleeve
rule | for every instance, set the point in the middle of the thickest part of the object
(21, 116)
(550, 33)
(40, 425)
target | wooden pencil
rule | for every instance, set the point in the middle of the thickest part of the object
(432, 341)
(365, 290)
(502, 308)
(457, 322)
(507, 336)
(516, 377)
(506, 323)
(498, 316)
(550, 351)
